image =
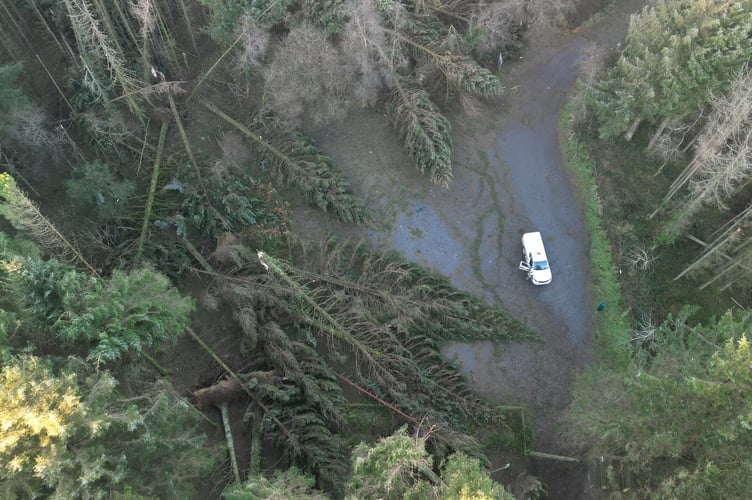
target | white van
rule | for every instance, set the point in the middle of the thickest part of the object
(535, 261)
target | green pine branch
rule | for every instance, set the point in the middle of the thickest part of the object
(431, 43)
(424, 131)
(297, 162)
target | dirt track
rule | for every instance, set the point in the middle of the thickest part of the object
(509, 179)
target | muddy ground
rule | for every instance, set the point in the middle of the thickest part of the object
(509, 178)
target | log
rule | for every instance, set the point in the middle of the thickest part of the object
(551, 456)
(230, 443)
(227, 390)
(632, 129)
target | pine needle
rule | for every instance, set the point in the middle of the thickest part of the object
(299, 163)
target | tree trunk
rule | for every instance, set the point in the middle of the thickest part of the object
(632, 129)
(254, 467)
(230, 443)
(227, 390)
(152, 191)
(657, 135)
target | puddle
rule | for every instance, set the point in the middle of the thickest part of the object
(424, 237)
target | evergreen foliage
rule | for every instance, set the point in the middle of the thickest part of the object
(12, 97)
(9, 325)
(68, 438)
(399, 467)
(424, 131)
(295, 159)
(225, 15)
(97, 192)
(326, 14)
(24, 215)
(270, 12)
(464, 478)
(289, 483)
(677, 54)
(679, 418)
(445, 49)
(224, 18)
(242, 205)
(375, 316)
(307, 402)
(37, 413)
(124, 314)
(719, 169)
(388, 45)
(386, 320)
(103, 59)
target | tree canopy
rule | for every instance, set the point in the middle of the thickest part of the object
(679, 419)
(143, 204)
(399, 467)
(108, 318)
(66, 432)
(677, 54)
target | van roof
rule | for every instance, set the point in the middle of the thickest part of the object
(533, 242)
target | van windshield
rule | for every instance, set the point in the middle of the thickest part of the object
(540, 265)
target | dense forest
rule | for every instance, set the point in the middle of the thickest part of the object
(165, 334)
(666, 129)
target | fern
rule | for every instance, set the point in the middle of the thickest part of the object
(243, 205)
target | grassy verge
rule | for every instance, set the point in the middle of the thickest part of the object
(611, 328)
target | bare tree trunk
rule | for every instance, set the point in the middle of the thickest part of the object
(721, 161)
(46, 25)
(632, 129)
(52, 78)
(152, 190)
(657, 134)
(230, 442)
(254, 467)
(235, 376)
(189, 29)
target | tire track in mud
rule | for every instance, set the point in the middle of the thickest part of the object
(496, 216)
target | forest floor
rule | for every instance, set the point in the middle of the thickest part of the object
(509, 178)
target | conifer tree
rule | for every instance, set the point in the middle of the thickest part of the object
(681, 416)
(398, 466)
(108, 318)
(72, 435)
(677, 54)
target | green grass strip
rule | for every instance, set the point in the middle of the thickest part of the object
(610, 328)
